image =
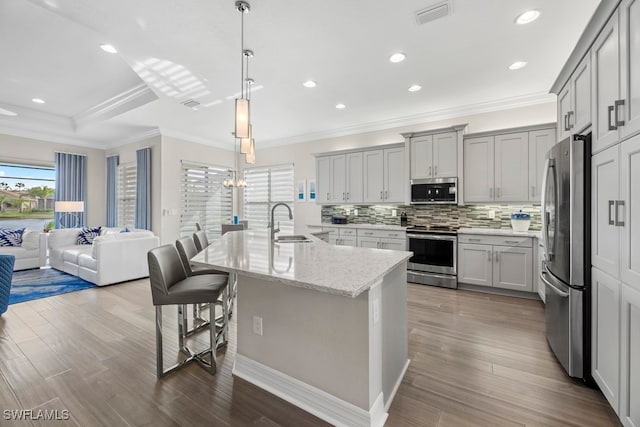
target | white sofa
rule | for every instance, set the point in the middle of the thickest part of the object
(112, 257)
(32, 253)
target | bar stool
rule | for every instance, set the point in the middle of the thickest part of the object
(233, 278)
(187, 250)
(170, 285)
(200, 239)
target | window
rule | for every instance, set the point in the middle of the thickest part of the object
(26, 196)
(267, 186)
(204, 199)
(126, 195)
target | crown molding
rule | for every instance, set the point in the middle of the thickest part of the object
(134, 138)
(47, 135)
(197, 139)
(450, 113)
(130, 99)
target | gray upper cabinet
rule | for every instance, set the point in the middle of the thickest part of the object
(574, 101)
(630, 66)
(364, 176)
(606, 103)
(434, 154)
(505, 167)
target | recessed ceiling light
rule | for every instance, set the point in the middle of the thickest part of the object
(108, 48)
(397, 57)
(310, 83)
(38, 101)
(527, 17)
(7, 113)
(517, 65)
(341, 106)
(414, 88)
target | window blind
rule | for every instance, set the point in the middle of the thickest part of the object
(267, 186)
(204, 199)
(126, 195)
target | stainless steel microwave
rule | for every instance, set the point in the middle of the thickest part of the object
(434, 190)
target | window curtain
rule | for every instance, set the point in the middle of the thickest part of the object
(112, 196)
(143, 188)
(71, 184)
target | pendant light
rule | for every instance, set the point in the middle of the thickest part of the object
(242, 103)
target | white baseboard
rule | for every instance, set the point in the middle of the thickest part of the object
(311, 399)
(392, 395)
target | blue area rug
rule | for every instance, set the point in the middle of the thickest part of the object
(28, 285)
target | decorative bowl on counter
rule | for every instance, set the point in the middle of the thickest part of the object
(520, 221)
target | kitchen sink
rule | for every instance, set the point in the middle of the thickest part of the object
(294, 238)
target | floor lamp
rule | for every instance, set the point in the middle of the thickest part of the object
(69, 209)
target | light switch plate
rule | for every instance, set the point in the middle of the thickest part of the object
(257, 325)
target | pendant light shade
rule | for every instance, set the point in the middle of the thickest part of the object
(242, 118)
(250, 157)
(245, 143)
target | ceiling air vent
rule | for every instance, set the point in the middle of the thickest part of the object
(433, 12)
(191, 103)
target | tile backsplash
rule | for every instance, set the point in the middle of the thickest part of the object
(462, 216)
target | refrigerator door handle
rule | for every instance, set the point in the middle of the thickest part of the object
(548, 164)
(563, 294)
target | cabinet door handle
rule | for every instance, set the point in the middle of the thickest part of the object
(498, 192)
(611, 204)
(610, 109)
(378, 245)
(393, 234)
(348, 195)
(386, 194)
(435, 170)
(497, 257)
(381, 198)
(533, 191)
(515, 242)
(569, 114)
(429, 170)
(566, 122)
(327, 196)
(619, 103)
(619, 203)
(344, 196)
(475, 240)
(489, 256)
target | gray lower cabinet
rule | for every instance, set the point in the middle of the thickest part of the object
(341, 236)
(382, 239)
(630, 357)
(499, 262)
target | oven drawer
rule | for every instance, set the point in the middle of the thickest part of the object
(481, 239)
(385, 234)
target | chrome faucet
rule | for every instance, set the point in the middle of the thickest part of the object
(274, 230)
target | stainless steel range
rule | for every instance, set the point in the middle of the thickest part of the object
(435, 255)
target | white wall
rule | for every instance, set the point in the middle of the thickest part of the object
(174, 151)
(302, 154)
(127, 154)
(14, 149)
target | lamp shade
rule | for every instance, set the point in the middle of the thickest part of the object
(69, 206)
(250, 157)
(245, 143)
(242, 118)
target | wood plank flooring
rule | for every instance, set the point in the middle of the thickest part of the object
(476, 360)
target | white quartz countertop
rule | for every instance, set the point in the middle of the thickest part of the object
(361, 226)
(498, 232)
(338, 270)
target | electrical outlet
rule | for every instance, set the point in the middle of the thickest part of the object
(355, 212)
(257, 325)
(394, 212)
(491, 214)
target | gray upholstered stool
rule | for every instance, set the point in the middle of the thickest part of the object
(170, 285)
(187, 250)
(200, 239)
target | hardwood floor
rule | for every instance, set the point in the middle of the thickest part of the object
(476, 360)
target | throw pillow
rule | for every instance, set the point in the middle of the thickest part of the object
(87, 234)
(11, 237)
(125, 230)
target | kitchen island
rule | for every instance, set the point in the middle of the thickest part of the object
(321, 326)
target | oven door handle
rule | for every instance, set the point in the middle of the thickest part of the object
(431, 237)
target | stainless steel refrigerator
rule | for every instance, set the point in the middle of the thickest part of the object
(566, 238)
